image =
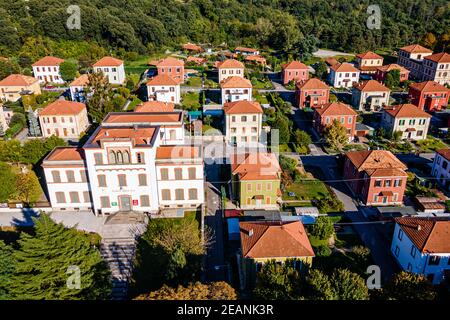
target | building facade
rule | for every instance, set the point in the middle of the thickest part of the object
(235, 89)
(311, 93)
(370, 96)
(46, 70)
(163, 88)
(243, 122)
(112, 68)
(412, 122)
(368, 62)
(294, 71)
(376, 177)
(343, 75)
(324, 115)
(382, 72)
(421, 246)
(230, 68)
(436, 67)
(441, 169)
(65, 119)
(429, 95)
(411, 57)
(77, 88)
(171, 67)
(15, 85)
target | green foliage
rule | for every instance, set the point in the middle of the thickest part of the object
(100, 101)
(7, 181)
(336, 135)
(7, 266)
(408, 286)
(18, 118)
(194, 291)
(42, 261)
(330, 204)
(321, 70)
(302, 141)
(323, 228)
(68, 70)
(28, 189)
(322, 251)
(392, 79)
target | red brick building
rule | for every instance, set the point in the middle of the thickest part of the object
(324, 115)
(376, 176)
(381, 72)
(171, 67)
(311, 92)
(429, 95)
(294, 71)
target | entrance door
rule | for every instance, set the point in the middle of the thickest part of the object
(125, 203)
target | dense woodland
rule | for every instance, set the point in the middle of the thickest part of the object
(33, 28)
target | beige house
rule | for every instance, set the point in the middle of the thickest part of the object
(65, 119)
(230, 68)
(3, 123)
(243, 120)
(436, 67)
(370, 95)
(16, 85)
(407, 118)
(368, 62)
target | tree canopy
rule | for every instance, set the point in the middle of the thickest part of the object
(194, 291)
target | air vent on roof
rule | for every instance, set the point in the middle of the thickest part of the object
(250, 232)
(135, 127)
(419, 227)
(107, 133)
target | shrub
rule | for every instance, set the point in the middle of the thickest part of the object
(322, 251)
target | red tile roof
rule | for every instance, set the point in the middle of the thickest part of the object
(108, 62)
(155, 106)
(294, 65)
(144, 117)
(81, 81)
(192, 47)
(197, 60)
(162, 80)
(258, 59)
(242, 107)
(429, 86)
(429, 235)
(335, 109)
(442, 57)
(392, 66)
(245, 49)
(230, 64)
(312, 83)
(170, 62)
(48, 61)
(235, 82)
(65, 154)
(62, 107)
(14, 80)
(274, 240)
(370, 86)
(178, 152)
(344, 67)
(139, 135)
(445, 153)
(256, 166)
(369, 55)
(416, 48)
(372, 160)
(331, 61)
(406, 110)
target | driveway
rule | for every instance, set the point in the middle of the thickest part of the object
(324, 53)
(306, 125)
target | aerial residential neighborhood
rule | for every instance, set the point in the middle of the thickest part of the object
(192, 160)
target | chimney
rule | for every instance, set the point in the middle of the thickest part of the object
(250, 232)
(419, 227)
(106, 133)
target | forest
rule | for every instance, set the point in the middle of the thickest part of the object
(34, 28)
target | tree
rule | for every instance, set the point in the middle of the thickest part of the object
(336, 135)
(7, 266)
(99, 96)
(408, 286)
(277, 282)
(11, 151)
(44, 258)
(68, 70)
(392, 79)
(323, 228)
(194, 291)
(33, 151)
(396, 136)
(282, 124)
(320, 70)
(18, 118)
(302, 140)
(28, 187)
(318, 286)
(7, 181)
(348, 285)
(52, 142)
(33, 124)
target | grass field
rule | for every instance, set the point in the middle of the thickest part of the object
(190, 101)
(306, 190)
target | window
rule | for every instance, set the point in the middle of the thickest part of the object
(269, 186)
(258, 187)
(249, 187)
(254, 118)
(83, 175)
(126, 157)
(350, 120)
(104, 202)
(119, 157)
(98, 158)
(74, 197)
(397, 183)
(164, 174)
(413, 251)
(122, 180)
(178, 174)
(397, 251)
(377, 183)
(191, 173)
(140, 157)
(60, 197)
(401, 122)
(400, 234)
(445, 164)
(86, 196)
(244, 119)
(192, 194)
(70, 176)
(165, 194)
(179, 194)
(56, 177)
(172, 134)
(233, 119)
(387, 183)
(101, 180)
(142, 179)
(434, 260)
(145, 201)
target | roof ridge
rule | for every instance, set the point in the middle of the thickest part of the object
(429, 234)
(262, 234)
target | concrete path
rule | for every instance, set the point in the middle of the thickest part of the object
(324, 53)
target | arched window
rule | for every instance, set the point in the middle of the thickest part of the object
(126, 157)
(112, 157)
(119, 157)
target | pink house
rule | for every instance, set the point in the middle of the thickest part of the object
(171, 67)
(311, 93)
(324, 116)
(294, 71)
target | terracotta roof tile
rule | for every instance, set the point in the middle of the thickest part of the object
(294, 65)
(445, 153)
(374, 159)
(192, 47)
(392, 66)
(62, 107)
(17, 80)
(242, 107)
(65, 154)
(162, 80)
(370, 85)
(108, 62)
(255, 59)
(256, 166)
(312, 83)
(265, 239)
(429, 86)
(369, 55)
(48, 61)
(170, 62)
(175, 117)
(245, 49)
(344, 67)
(442, 57)
(235, 82)
(416, 48)
(230, 64)
(331, 61)
(406, 110)
(140, 135)
(429, 235)
(335, 109)
(178, 152)
(155, 106)
(81, 81)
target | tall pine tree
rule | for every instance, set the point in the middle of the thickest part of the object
(6, 270)
(33, 123)
(43, 261)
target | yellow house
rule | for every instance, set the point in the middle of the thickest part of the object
(262, 241)
(16, 85)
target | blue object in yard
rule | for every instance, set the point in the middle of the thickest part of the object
(207, 101)
(213, 113)
(291, 194)
(233, 229)
(194, 115)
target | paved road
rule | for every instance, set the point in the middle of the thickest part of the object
(306, 125)
(373, 235)
(22, 135)
(324, 53)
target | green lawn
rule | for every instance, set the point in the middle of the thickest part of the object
(194, 82)
(306, 190)
(262, 99)
(134, 103)
(262, 85)
(190, 101)
(430, 144)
